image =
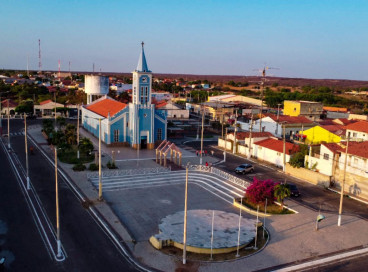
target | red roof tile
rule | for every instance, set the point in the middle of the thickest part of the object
(335, 109)
(359, 149)
(160, 104)
(334, 128)
(106, 106)
(277, 145)
(45, 102)
(12, 103)
(245, 134)
(290, 119)
(361, 126)
(333, 147)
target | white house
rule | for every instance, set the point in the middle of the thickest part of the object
(273, 124)
(46, 108)
(271, 150)
(173, 111)
(324, 161)
(358, 131)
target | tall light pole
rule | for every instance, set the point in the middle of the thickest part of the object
(8, 126)
(185, 216)
(284, 149)
(57, 207)
(77, 129)
(99, 162)
(55, 108)
(250, 138)
(1, 117)
(343, 182)
(200, 159)
(26, 149)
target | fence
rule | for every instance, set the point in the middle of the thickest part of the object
(129, 172)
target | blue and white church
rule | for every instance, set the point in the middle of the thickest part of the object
(139, 124)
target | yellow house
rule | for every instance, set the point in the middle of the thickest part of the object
(311, 110)
(317, 134)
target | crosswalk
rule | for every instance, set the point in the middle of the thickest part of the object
(214, 184)
(12, 134)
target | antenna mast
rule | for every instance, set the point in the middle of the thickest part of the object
(59, 69)
(39, 57)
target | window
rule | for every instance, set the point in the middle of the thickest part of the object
(278, 154)
(326, 156)
(116, 135)
(354, 134)
(159, 134)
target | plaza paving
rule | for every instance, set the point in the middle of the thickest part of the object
(135, 212)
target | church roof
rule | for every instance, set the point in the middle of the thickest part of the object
(142, 63)
(106, 106)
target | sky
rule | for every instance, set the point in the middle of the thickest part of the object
(307, 39)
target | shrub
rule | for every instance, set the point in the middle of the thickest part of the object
(79, 167)
(111, 165)
(259, 190)
(93, 167)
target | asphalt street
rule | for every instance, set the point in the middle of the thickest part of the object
(87, 246)
(312, 196)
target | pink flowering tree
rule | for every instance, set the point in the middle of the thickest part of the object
(260, 190)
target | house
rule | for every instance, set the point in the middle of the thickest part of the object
(275, 124)
(309, 109)
(318, 134)
(8, 106)
(139, 124)
(46, 108)
(358, 117)
(271, 150)
(358, 131)
(244, 136)
(335, 112)
(173, 111)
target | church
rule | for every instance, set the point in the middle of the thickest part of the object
(139, 124)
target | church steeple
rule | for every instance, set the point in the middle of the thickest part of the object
(142, 63)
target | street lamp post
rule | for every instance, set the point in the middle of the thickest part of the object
(8, 126)
(200, 159)
(57, 207)
(99, 162)
(78, 134)
(343, 182)
(26, 149)
(185, 217)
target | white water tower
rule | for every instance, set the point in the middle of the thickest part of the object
(95, 87)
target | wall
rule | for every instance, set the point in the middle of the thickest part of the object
(271, 156)
(357, 135)
(229, 144)
(308, 175)
(317, 135)
(355, 185)
(291, 108)
(357, 117)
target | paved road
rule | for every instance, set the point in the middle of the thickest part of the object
(312, 196)
(87, 247)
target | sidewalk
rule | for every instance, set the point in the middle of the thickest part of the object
(292, 237)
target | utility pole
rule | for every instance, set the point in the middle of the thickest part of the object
(99, 162)
(200, 160)
(250, 138)
(284, 148)
(26, 149)
(260, 117)
(57, 207)
(1, 117)
(185, 217)
(39, 57)
(343, 182)
(278, 111)
(78, 133)
(8, 126)
(55, 107)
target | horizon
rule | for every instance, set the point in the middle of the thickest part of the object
(303, 39)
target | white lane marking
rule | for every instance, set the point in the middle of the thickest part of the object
(102, 223)
(29, 200)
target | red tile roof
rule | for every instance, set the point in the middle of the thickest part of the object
(290, 119)
(335, 109)
(359, 149)
(106, 106)
(160, 104)
(45, 102)
(245, 134)
(343, 121)
(277, 145)
(333, 147)
(361, 126)
(12, 103)
(335, 129)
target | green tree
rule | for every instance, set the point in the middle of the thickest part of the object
(281, 192)
(85, 146)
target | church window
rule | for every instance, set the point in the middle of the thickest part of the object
(116, 135)
(159, 134)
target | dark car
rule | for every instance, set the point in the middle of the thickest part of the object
(294, 190)
(244, 168)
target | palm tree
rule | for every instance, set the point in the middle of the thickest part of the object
(282, 191)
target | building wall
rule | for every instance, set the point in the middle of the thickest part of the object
(308, 175)
(160, 123)
(291, 108)
(357, 135)
(317, 135)
(271, 156)
(358, 117)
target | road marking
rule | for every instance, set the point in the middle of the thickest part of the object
(40, 226)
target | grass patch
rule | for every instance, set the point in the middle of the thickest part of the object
(70, 156)
(271, 208)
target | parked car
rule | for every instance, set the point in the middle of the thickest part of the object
(294, 190)
(244, 168)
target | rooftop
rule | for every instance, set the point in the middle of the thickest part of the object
(106, 106)
(289, 119)
(277, 145)
(361, 126)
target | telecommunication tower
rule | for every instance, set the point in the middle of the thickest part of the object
(39, 57)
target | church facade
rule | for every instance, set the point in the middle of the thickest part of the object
(139, 124)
